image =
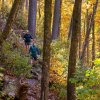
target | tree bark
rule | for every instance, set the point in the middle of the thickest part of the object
(56, 19)
(70, 28)
(73, 50)
(88, 55)
(2, 8)
(83, 62)
(32, 17)
(46, 50)
(22, 5)
(21, 8)
(80, 37)
(93, 42)
(10, 21)
(88, 21)
(89, 30)
(27, 4)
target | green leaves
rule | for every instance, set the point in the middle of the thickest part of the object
(87, 82)
(97, 62)
(14, 60)
(73, 80)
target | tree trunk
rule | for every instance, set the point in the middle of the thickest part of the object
(88, 54)
(27, 4)
(83, 62)
(70, 28)
(87, 28)
(10, 21)
(80, 40)
(73, 50)
(21, 8)
(93, 42)
(22, 5)
(32, 17)
(56, 19)
(46, 49)
(2, 8)
(88, 31)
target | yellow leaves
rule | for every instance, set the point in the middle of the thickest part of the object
(92, 1)
(56, 71)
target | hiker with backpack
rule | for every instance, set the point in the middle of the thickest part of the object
(34, 53)
(27, 40)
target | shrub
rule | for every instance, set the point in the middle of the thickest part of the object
(87, 81)
(13, 59)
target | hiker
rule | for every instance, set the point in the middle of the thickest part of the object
(27, 39)
(34, 52)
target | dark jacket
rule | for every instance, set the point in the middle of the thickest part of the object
(27, 37)
(34, 51)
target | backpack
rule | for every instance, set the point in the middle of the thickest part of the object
(33, 50)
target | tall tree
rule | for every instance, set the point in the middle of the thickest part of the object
(93, 41)
(10, 21)
(88, 21)
(89, 30)
(32, 17)
(56, 19)
(83, 62)
(73, 49)
(46, 49)
(80, 36)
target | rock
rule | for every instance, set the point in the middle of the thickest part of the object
(36, 72)
(28, 92)
(11, 94)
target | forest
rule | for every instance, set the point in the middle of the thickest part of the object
(49, 50)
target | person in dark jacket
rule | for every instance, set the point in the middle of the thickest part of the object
(27, 39)
(34, 53)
